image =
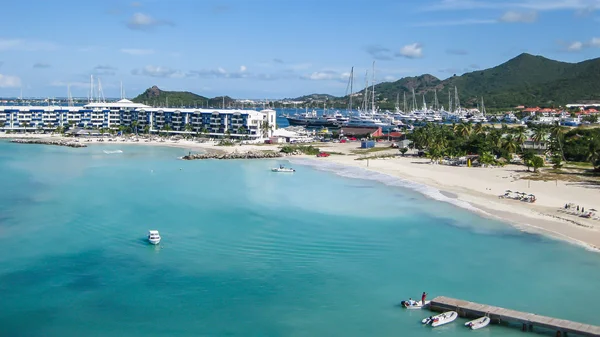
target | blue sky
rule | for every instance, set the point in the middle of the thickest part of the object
(275, 48)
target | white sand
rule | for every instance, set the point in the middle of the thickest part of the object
(480, 187)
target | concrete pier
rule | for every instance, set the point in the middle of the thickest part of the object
(527, 320)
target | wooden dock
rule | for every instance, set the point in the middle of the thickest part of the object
(528, 320)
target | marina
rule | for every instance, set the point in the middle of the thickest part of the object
(528, 321)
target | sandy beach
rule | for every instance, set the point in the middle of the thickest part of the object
(480, 187)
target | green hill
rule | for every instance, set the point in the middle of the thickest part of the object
(160, 98)
(524, 80)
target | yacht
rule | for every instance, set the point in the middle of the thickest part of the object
(153, 237)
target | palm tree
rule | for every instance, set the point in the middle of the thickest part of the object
(478, 129)
(509, 143)
(464, 129)
(520, 135)
(593, 151)
(24, 125)
(134, 125)
(266, 127)
(146, 129)
(204, 130)
(539, 136)
(167, 128)
(557, 138)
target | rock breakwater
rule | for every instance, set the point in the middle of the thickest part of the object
(57, 142)
(236, 155)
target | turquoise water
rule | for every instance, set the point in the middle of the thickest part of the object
(247, 252)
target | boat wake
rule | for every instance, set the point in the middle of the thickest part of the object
(112, 152)
(360, 173)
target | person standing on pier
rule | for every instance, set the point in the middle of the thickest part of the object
(423, 297)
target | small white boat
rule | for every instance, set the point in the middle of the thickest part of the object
(441, 319)
(153, 237)
(282, 169)
(414, 304)
(479, 323)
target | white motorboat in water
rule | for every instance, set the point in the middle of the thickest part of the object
(282, 169)
(410, 304)
(479, 323)
(153, 237)
(441, 319)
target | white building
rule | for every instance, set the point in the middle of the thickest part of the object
(140, 117)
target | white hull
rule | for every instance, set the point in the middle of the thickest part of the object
(441, 319)
(479, 323)
(283, 170)
(417, 305)
(154, 237)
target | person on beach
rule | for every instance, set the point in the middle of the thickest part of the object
(423, 297)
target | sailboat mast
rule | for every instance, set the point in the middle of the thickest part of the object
(366, 92)
(456, 99)
(482, 107)
(91, 88)
(436, 104)
(373, 82)
(351, 86)
(404, 102)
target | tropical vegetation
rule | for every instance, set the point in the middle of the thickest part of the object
(554, 144)
(156, 97)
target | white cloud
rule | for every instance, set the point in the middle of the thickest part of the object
(41, 65)
(104, 70)
(300, 66)
(523, 17)
(157, 71)
(411, 51)
(536, 5)
(464, 22)
(25, 45)
(379, 52)
(243, 69)
(135, 51)
(576, 46)
(326, 75)
(141, 21)
(71, 84)
(8, 81)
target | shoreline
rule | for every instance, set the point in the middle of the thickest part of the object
(473, 189)
(541, 218)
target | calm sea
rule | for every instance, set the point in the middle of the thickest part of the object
(248, 252)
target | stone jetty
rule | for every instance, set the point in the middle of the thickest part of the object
(237, 155)
(58, 142)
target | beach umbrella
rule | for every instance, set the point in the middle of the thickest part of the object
(508, 191)
(593, 209)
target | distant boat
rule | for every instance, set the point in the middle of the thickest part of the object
(414, 304)
(282, 169)
(111, 152)
(153, 237)
(479, 323)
